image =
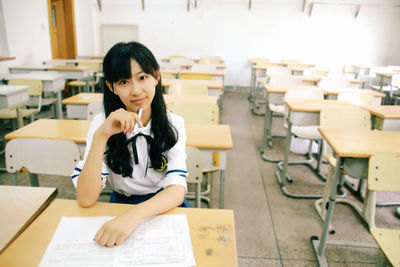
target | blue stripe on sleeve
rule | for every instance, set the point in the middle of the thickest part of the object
(184, 176)
(104, 173)
(171, 171)
(77, 169)
(73, 176)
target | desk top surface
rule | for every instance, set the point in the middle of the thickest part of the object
(386, 112)
(19, 206)
(72, 130)
(211, 84)
(210, 229)
(31, 67)
(83, 99)
(169, 71)
(358, 90)
(310, 105)
(361, 143)
(8, 90)
(203, 136)
(281, 89)
(71, 68)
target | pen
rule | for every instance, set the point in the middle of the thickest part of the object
(140, 116)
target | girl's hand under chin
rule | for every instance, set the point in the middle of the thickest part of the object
(120, 121)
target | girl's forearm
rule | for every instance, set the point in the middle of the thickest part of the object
(89, 181)
(167, 199)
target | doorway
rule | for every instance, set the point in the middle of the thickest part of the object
(62, 29)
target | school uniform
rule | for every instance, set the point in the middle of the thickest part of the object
(145, 181)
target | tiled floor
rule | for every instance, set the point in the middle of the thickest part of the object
(271, 229)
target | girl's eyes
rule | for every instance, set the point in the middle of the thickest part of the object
(123, 82)
(142, 77)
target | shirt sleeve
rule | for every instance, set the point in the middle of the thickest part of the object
(176, 166)
(97, 121)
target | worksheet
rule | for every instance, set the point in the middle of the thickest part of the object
(162, 240)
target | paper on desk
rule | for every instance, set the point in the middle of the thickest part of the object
(162, 240)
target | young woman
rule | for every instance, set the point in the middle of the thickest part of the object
(146, 166)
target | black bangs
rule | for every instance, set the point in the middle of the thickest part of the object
(117, 64)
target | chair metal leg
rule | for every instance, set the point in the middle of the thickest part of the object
(34, 179)
(14, 178)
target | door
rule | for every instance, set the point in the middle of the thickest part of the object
(62, 29)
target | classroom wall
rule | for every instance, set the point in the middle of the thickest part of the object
(275, 29)
(27, 32)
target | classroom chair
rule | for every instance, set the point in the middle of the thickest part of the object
(383, 176)
(332, 83)
(82, 84)
(343, 118)
(196, 112)
(356, 98)
(204, 67)
(195, 76)
(310, 133)
(11, 114)
(199, 113)
(194, 165)
(188, 90)
(36, 100)
(40, 156)
(93, 109)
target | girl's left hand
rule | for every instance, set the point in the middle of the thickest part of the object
(115, 231)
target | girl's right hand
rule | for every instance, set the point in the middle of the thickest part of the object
(119, 121)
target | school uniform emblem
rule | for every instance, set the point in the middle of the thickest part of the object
(163, 164)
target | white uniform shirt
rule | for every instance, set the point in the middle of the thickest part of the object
(139, 184)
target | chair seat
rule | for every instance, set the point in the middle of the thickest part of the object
(277, 108)
(12, 113)
(306, 132)
(389, 242)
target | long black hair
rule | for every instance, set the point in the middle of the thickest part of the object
(117, 66)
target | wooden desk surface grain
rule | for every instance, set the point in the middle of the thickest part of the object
(308, 105)
(19, 206)
(209, 136)
(211, 84)
(72, 130)
(83, 99)
(361, 143)
(212, 232)
(202, 136)
(385, 112)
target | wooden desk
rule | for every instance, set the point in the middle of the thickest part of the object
(385, 118)
(169, 71)
(14, 96)
(212, 233)
(332, 94)
(77, 105)
(52, 82)
(355, 144)
(189, 66)
(75, 72)
(19, 206)
(213, 140)
(302, 112)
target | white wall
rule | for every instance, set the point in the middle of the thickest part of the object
(27, 29)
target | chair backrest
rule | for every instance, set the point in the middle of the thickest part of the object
(285, 79)
(93, 109)
(194, 165)
(44, 156)
(311, 93)
(188, 90)
(356, 98)
(278, 71)
(334, 83)
(196, 112)
(204, 67)
(36, 85)
(349, 118)
(383, 172)
(180, 60)
(195, 76)
(95, 65)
